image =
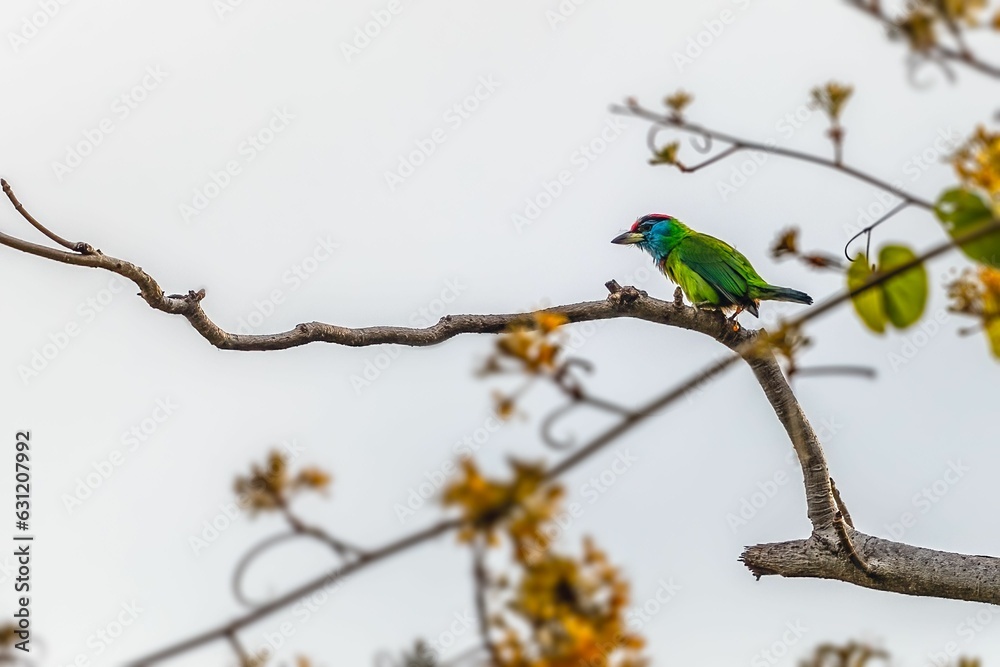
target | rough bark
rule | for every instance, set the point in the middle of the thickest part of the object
(896, 567)
(833, 551)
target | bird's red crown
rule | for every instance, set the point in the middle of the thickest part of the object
(652, 217)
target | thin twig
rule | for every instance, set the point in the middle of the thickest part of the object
(480, 579)
(961, 55)
(79, 246)
(860, 371)
(327, 580)
(867, 231)
(840, 504)
(754, 347)
(721, 156)
(666, 121)
(241, 652)
(848, 543)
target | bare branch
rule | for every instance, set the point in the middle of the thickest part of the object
(936, 52)
(672, 121)
(327, 580)
(898, 568)
(480, 579)
(840, 558)
(821, 506)
(79, 246)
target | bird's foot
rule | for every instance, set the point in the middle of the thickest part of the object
(732, 321)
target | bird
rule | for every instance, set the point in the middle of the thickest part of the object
(710, 272)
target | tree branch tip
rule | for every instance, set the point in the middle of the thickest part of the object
(756, 570)
(613, 286)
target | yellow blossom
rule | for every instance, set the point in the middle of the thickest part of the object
(977, 162)
(576, 614)
(832, 98)
(270, 486)
(521, 504)
(678, 101)
(533, 343)
(977, 293)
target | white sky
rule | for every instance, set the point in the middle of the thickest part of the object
(208, 82)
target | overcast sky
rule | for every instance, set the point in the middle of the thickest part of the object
(266, 152)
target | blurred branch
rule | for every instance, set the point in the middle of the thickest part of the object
(327, 580)
(481, 582)
(830, 552)
(932, 51)
(578, 397)
(339, 547)
(850, 655)
(241, 652)
(858, 371)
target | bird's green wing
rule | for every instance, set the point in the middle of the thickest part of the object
(719, 264)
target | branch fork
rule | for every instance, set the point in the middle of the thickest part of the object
(835, 550)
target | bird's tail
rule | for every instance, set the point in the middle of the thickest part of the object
(772, 293)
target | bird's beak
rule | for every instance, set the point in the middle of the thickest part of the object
(628, 238)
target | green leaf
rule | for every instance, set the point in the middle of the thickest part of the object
(906, 294)
(962, 212)
(870, 304)
(993, 334)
